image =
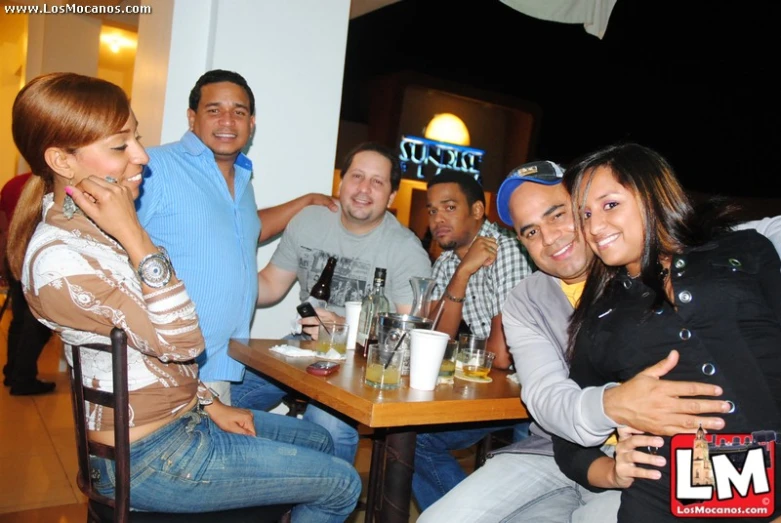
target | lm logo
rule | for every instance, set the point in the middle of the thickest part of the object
(723, 475)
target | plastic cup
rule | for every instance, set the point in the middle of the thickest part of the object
(353, 316)
(332, 336)
(427, 349)
(383, 368)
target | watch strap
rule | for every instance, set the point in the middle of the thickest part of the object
(454, 299)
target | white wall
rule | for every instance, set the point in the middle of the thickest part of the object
(60, 43)
(151, 70)
(292, 55)
(70, 43)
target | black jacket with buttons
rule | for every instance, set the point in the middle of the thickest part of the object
(727, 329)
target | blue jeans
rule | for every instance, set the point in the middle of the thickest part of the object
(342, 429)
(343, 433)
(191, 465)
(436, 470)
(255, 393)
(517, 488)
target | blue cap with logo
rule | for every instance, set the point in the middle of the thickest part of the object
(544, 172)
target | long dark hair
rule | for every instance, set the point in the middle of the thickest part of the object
(671, 221)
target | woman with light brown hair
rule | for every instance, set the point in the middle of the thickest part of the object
(87, 266)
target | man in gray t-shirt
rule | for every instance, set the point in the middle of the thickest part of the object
(363, 236)
(312, 236)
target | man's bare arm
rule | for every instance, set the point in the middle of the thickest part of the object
(273, 284)
(481, 253)
(497, 344)
(275, 219)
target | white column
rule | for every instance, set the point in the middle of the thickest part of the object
(62, 43)
(292, 55)
(59, 42)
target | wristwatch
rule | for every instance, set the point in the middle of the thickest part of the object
(206, 396)
(155, 270)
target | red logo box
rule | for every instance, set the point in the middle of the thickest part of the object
(723, 475)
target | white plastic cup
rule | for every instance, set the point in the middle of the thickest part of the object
(427, 348)
(353, 315)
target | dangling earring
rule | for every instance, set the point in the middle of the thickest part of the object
(69, 207)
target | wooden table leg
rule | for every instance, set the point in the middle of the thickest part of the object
(397, 484)
(374, 488)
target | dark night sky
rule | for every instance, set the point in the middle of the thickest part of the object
(692, 79)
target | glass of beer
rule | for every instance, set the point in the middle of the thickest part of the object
(332, 336)
(475, 363)
(383, 367)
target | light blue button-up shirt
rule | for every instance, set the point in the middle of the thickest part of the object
(212, 240)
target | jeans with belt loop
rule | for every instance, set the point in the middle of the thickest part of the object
(191, 465)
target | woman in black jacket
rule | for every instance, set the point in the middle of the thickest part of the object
(669, 279)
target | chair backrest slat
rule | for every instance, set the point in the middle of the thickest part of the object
(121, 421)
(99, 397)
(118, 401)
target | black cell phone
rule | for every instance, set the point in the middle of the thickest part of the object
(305, 310)
(323, 368)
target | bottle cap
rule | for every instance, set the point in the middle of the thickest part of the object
(379, 272)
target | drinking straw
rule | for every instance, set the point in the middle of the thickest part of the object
(398, 344)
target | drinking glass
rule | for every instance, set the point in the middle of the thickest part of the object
(383, 367)
(470, 341)
(332, 336)
(475, 363)
(448, 367)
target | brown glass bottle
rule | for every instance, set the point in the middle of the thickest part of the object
(321, 290)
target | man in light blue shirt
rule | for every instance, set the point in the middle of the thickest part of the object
(198, 202)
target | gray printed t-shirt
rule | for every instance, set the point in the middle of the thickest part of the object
(316, 233)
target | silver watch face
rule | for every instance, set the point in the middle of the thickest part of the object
(155, 271)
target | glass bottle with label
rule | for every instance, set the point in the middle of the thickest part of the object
(321, 290)
(373, 304)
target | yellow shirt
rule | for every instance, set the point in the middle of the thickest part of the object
(573, 292)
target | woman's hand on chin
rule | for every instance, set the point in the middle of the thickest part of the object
(110, 206)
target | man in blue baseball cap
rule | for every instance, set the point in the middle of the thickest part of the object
(543, 172)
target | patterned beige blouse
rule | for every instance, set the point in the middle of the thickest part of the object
(78, 282)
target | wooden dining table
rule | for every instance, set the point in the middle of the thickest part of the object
(393, 414)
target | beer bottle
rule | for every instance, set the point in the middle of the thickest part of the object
(321, 290)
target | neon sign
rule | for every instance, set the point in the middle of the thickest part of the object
(443, 156)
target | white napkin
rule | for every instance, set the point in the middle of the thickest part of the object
(514, 378)
(297, 352)
(293, 352)
(332, 355)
